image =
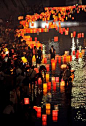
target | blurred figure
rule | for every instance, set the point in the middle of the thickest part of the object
(52, 52)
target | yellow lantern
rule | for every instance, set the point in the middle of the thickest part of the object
(48, 106)
(47, 77)
(24, 60)
(33, 59)
(45, 87)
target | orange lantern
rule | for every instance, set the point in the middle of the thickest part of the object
(26, 101)
(47, 77)
(45, 60)
(56, 39)
(48, 111)
(44, 87)
(53, 79)
(48, 106)
(62, 83)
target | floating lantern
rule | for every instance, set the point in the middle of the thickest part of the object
(44, 123)
(39, 81)
(47, 67)
(44, 118)
(45, 60)
(56, 39)
(55, 118)
(49, 85)
(26, 101)
(53, 79)
(47, 77)
(57, 79)
(48, 106)
(48, 111)
(54, 113)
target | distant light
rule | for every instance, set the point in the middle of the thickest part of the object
(35, 24)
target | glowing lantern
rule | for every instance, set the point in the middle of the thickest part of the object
(48, 106)
(38, 115)
(47, 67)
(49, 85)
(47, 77)
(45, 60)
(54, 86)
(33, 59)
(54, 118)
(55, 39)
(74, 33)
(64, 59)
(53, 65)
(39, 81)
(77, 55)
(26, 101)
(45, 87)
(48, 111)
(44, 118)
(62, 83)
(83, 51)
(57, 79)
(54, 113)
(59, 59)
(35, 38)
(73, 52)
(82, 35)
(53, 79)
(44, 123)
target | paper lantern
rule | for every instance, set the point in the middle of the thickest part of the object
(64, 59)
(44, 87)
(82, 35)
(26, 101)
(73, 52)
(57, 79)
(48, 111)
(77, 55)
(55, 39)
(48, 106)
(55, 118)
(38, 109)
(45, 60)
(54, 86)
(47, 67)
(53, 65)
(54, 113)
(47, 77)
(38, 115)
(62, 83)
(39, 81)
(35, 38)
(49, 85)
(74, 33)
(53, 79)
(33, 58)
(44, 123)
(44, 118)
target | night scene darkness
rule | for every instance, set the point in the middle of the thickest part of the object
(43, 62)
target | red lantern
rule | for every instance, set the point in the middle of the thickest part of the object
(57, 79)
(39, 81)
(56, 39)
(73, 52)
(54, 118)
(54, 113)
(44, 118)
(26, 101)
(77, 55)
(82, 35)
(44, 123)
(45, 60)
(59, 59)
(35, 38)
(74, 33)
(54, 86)
(49, 85)
(38, 115)
(47, 67)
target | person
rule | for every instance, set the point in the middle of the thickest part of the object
(52, 52)
(67, 74)
(39, 55)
